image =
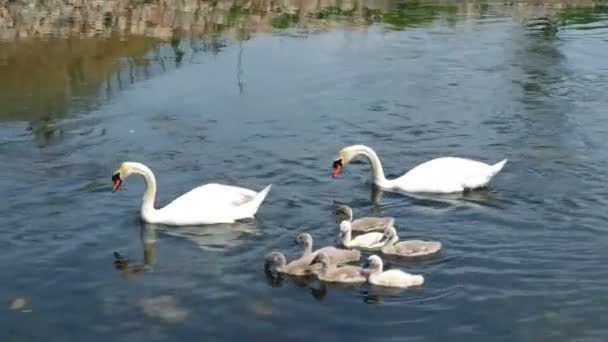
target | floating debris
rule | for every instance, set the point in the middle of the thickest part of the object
(18, 304)
(262, 309)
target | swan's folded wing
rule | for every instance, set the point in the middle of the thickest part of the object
(446, 174)
(369, 240)
(368, 224)
(398, 278)
(213, 195)
(339, 256)
(417, 247)
(347, 274)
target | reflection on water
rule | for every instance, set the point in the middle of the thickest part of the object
(108, 47)
(53, 75)
(218, 237)
(194, 89)
(240, 18)
(126, 265)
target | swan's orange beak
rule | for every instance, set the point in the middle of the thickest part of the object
(337, 168)
(116, 182)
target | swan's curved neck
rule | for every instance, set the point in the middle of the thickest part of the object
(147, 205)
(377, 170)
(375, 270)
(346, 237)
(349, 212)
(307, 249)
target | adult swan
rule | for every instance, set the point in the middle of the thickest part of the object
(206, 204)
(441, 175)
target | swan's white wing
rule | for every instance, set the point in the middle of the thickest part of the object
(213, 195)
(209, 203)
(370, 240)
(397, 278)
(446, 174)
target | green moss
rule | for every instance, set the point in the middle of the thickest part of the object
(334, 13)
(582, 16)
(283, 21)
(235, 12)
(408, 14)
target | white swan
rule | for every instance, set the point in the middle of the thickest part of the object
(329, 272)
(440, 175)
(390, 278)
(408, 248)
(370, 241)
(368, 223)
(335, 255)
(206, 204)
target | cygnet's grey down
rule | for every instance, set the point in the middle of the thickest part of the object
(390, 278)
(332, 273)
(336, 255)
(298, 267)
(408, 248)
(368, 223)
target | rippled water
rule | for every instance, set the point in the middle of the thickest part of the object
(523, 260)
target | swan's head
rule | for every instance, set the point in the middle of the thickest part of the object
(276, 259)
(344, 157)
(321, 258)
(304, 239)
(346, 154)
(346, 210)
(390, 235)
(374, 263)
(120, 174)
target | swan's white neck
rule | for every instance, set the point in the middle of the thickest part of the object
(147, 206)
(346, 237)
(307, 249)
(376, 269)
(377, 170)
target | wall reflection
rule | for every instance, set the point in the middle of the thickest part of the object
(58, 57)
(167, 18)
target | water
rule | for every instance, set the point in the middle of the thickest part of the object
(251, 103)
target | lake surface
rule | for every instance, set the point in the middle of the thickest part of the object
(269, 97)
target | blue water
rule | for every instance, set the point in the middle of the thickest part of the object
(523, 260)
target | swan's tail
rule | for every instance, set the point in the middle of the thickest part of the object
(417, 280)
(498, 166)
(253, 205)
